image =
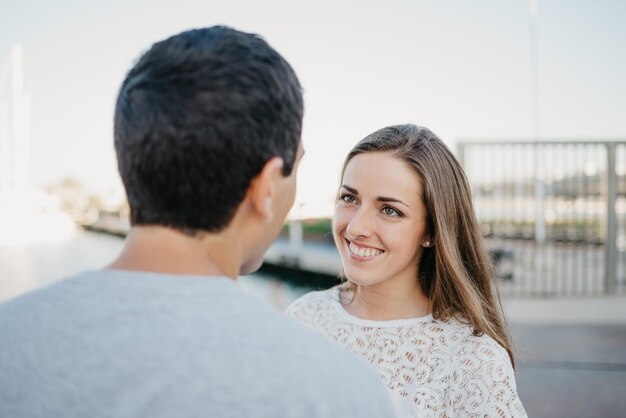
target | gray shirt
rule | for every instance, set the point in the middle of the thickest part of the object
(131, 344)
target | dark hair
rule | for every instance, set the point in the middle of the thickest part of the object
(456, 273)
(196, 119)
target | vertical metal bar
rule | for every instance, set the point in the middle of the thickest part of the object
(585, 209)
(519, 203)
(560, 215)
(593, 227)
(611, 235)
(580, 220)
(599, 190)
(575, 188)
(563, 282)
(548, 208)
(572, 193)
(540, 225)
(530, 262)
(621, 193)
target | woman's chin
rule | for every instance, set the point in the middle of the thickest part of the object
(359, 278)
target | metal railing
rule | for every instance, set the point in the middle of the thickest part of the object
(554, 213)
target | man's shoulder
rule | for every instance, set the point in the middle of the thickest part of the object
(207, 335)
(313, 370)
(292, 361)
(32, 299)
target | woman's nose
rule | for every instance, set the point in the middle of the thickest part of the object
(360, 224)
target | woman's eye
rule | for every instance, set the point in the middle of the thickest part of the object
(389, 211)
(347, 198)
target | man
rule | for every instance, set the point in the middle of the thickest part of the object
(207, 135)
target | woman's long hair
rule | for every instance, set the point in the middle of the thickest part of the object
(456, 273)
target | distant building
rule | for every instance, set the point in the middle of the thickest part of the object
(15, 136)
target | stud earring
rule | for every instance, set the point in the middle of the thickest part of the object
(427, 244)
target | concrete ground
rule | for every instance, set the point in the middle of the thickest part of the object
(571, 355)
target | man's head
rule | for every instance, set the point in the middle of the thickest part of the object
(198, 118)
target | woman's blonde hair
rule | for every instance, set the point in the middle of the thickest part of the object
(456, 273)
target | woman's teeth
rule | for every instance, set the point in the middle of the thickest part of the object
(363, 252)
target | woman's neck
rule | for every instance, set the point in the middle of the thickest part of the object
(386, 301)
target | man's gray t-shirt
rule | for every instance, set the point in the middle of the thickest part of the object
(132, 344)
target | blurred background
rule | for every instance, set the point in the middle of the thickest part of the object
(530, 95)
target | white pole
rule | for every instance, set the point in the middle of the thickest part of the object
(20, 123)
(540, 223)
(5, 125)
(534, 69)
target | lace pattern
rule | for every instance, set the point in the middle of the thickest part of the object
(433, 368)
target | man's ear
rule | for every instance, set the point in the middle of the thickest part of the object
(263, 188)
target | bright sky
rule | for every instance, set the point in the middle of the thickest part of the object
(461, 68)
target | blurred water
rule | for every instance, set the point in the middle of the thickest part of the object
(28, 266)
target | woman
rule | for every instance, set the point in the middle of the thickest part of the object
(420, 302)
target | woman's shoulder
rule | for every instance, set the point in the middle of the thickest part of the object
(462, 341)
(472, 352)
(479, 361)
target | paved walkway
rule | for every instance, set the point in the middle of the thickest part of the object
(571, 355)
(563, 310)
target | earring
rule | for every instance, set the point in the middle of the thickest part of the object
(427, 244)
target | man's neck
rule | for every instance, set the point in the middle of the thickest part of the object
(164, 250)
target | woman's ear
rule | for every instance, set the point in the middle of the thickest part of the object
(263, 188)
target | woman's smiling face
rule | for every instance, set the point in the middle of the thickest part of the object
(380, 221)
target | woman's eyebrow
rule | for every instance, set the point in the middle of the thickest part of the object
(383, 199)
(391, 200)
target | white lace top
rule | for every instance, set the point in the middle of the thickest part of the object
(433, 368)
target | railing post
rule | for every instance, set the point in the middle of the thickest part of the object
(611, 224)
(296, 234)
(540, 194)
